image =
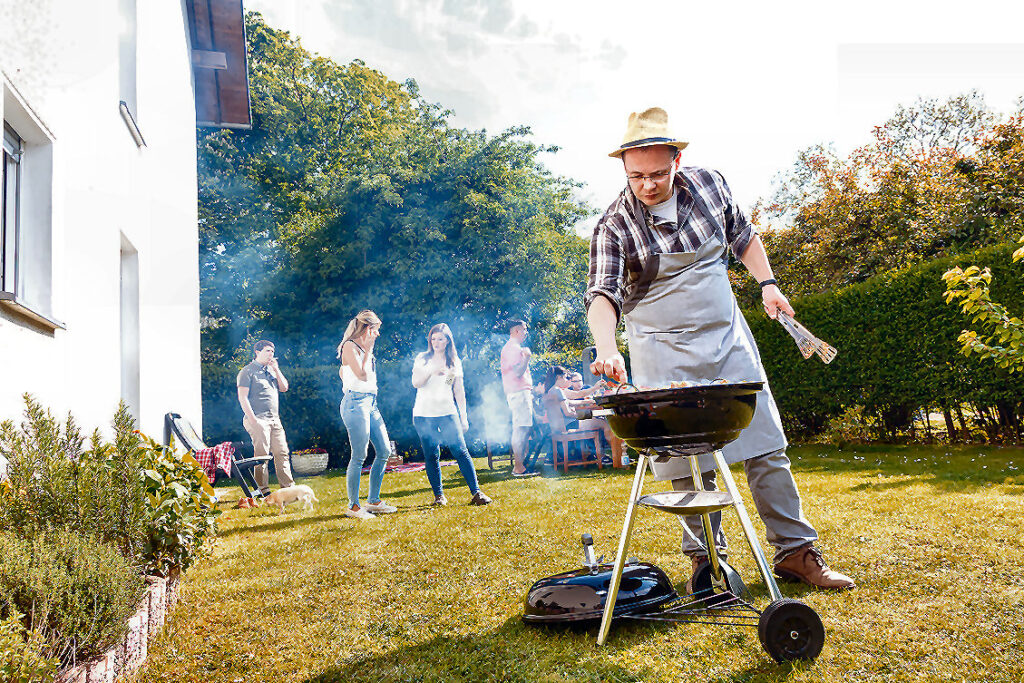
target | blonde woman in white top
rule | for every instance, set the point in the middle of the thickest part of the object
(439, 413)
(360, 414)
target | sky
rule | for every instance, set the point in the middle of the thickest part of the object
(747, 84)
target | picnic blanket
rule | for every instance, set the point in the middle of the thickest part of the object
(218, 457)
(408, 467)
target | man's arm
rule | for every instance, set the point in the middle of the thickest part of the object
(523, 365)
(243, 400)
(756, 260)
(602, 319)
(282, 383)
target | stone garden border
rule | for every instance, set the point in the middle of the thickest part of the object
(127, 657)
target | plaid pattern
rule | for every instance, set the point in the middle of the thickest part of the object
(627, 235)
(212, 459)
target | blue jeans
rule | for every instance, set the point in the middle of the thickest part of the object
(444, 431)
(364, 423)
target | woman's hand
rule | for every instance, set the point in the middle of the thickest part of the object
(370, 336)
(465, 424)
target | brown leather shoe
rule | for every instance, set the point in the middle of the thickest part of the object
(808, 565)
(697, 561)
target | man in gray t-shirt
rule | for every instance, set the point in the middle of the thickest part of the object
(258, 385)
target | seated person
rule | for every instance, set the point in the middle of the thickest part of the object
(561, 401)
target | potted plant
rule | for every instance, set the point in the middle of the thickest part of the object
(309, 461)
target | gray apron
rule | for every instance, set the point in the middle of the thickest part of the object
(683, 323)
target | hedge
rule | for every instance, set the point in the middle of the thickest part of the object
(897, 349)
(310, 408)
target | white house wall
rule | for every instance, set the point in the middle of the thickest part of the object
(105, 191)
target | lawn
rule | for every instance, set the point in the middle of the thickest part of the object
(932, 536)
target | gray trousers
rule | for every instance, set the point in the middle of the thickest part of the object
(775, 497)
(268, 438)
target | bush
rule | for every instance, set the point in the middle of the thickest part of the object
(181, 506)
(152, 504)
(852, 427)
(97, 491)
(77, 592)
(21, 658)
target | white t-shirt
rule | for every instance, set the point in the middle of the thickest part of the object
(666, 210)
(350, 382)
(436, 398)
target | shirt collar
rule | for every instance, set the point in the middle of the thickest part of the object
(638, 210)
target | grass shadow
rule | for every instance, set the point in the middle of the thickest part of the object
(515, 652)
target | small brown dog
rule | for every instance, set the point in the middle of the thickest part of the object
(282, 497)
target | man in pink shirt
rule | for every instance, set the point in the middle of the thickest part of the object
(515, 378)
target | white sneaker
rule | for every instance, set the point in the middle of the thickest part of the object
(361, 513)
(381, 508)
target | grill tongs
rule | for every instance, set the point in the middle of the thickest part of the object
(807, 342)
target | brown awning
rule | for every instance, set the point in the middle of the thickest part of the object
(217, 31)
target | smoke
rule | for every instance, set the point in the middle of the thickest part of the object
(491, 414)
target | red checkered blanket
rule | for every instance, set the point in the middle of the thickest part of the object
(217, 458)
(408, 467)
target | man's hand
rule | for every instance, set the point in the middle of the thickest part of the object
(527, 353)
(273, 365)
(774, 300)
(613, 366)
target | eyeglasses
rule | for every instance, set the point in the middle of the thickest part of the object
(656, 177)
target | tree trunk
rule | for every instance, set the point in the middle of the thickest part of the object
(928, 423)
(963, 421)
(1007, 419)
(950, 428)
(982, 419)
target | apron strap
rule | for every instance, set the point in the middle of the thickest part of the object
(701, 205)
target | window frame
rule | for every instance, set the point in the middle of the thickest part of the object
(10, 208)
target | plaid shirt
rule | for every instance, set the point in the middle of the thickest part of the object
(627, 235)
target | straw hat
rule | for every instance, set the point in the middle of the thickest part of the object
(646, 128)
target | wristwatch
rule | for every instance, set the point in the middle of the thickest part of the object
(769, 281)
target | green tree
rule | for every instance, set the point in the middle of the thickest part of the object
(1003, 336)
(936, 180)
(352, 191)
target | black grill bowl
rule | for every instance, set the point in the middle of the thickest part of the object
(686, 421)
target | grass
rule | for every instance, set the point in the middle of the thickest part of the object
(932, 536)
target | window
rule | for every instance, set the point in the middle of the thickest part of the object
(10, 192)
(26, 212)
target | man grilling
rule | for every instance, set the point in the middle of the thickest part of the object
(658, 259)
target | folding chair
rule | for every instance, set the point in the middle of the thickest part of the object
(241, 467)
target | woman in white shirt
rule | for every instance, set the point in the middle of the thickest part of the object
(439, 413)
(360, 414)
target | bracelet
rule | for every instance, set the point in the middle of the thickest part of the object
(769, 281)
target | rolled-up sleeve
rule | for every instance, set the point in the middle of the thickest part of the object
(738, 230)
(607, 268)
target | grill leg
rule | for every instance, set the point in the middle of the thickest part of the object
(717, 575)
(748, 528)
(620, 558)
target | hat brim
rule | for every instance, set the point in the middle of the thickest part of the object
(648, 142)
